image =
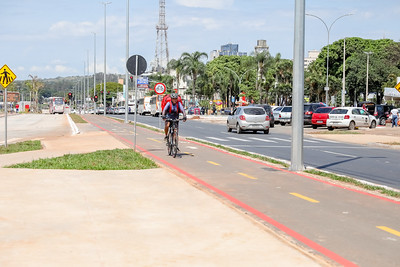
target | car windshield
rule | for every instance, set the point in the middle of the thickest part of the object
(287, 109)
(254, 111)
(339, 111)
(323, 110)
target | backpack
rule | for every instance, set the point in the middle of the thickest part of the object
(166, 99)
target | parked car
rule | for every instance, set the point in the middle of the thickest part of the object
(100, 110)
(350, 117)
(285, 115)
(382, 113)
(268, 109)
(119, 110)
(194, 111)
(275, 111)
(248, 118)
(309, 109)
(319, 116)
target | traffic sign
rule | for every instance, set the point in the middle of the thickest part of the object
(160, 88)
(138, 61)
(397, 87)
(6, 76)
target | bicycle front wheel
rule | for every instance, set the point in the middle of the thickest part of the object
(175, 146)
(169, 145)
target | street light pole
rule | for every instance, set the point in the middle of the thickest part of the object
(94, 71)
(366, 83)
(105, 53)
(126, 69)
(328, 29)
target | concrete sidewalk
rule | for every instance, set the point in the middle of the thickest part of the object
(124, 218)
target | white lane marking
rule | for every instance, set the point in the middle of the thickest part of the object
(339, 154)
(192, 147)
(239, 139)
(310, 141)
(328, 141)
(263, 140)
(216, 138)
(280, 139)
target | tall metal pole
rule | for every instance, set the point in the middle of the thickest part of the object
(127, 57)
(94, 71)
(84, 87)
(105, 53)
(136, 77)
(87, 78)
(5, 116)
(327, 57)
(366, 83)
(344, 74)
(298, 87)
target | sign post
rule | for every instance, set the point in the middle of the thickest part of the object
(136, 65)
(6, 78)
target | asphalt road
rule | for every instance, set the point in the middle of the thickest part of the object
(345, 225)
(375, 165)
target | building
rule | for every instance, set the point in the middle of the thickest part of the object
(231, 50)
(312, 56)
(261, 47)
(214, 54)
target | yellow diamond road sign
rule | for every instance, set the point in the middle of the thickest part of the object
(6, 76)
(397, 87)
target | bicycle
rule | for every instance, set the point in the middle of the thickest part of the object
(172, 138)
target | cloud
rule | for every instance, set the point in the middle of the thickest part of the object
(76, 29)
(213, 4)
(206, 23)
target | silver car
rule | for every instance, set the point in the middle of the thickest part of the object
(248, 118)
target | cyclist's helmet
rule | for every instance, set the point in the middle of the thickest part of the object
(174, 95)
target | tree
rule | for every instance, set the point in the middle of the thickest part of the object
(177, 65)
(193, 66)
(34, 86)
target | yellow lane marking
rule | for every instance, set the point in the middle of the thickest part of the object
(389, 230)
(305, 198)
(155, 140)
(247, 176)
(213, 163)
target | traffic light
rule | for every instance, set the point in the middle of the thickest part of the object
(70, 96)
(131, 78)
(108, 92)
(96, 98)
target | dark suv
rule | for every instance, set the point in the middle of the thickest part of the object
(268, 109)
(382, 113)
(309, 109)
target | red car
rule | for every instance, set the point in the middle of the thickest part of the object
(319, 116)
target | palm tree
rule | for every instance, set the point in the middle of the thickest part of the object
(263, 60)
(34, 86)
(193, 66)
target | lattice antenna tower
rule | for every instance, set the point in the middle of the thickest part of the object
(162, 53)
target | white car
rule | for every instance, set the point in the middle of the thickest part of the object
(285, 115)
(248, 118)
(350, 117)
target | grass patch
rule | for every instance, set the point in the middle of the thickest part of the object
(240, 152)
(336, 132)
(77, 118)
(349, 180)
(116, 159)
(21, 147)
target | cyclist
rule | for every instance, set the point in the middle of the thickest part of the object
(171, 112)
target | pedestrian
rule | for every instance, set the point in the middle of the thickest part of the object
(395, 116)
(214, 109)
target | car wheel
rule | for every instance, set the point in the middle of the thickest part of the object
(330, 128)
(283, 124)
(229, 129)
(238, 130)
(382, 121)
(314, 127)
(373, 125)
(266, 131)
(272, 125)
(352, 126)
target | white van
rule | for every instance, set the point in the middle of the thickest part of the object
(155, 105)
(144, 105)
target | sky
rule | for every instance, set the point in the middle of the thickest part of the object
(56, 38)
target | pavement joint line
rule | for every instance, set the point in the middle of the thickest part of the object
(304, 197)
(389, 230)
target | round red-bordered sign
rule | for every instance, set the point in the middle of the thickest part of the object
(160, 88)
